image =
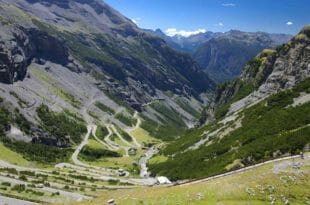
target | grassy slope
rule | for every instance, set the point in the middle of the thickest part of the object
(102, 132)
(94, 152)
(126, 119)
(143, 136)
(12, 157)
(171, 123)
(61, 125)
(230, 190)
(94, 144)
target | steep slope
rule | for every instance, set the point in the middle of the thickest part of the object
(262, 115)
(72, 54)
(268, 73)
(119, 40)
(223, 57)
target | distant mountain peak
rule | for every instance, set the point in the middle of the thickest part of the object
(160, 32)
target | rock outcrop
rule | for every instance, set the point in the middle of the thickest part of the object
(25, 45)
(224, 57)
(268, 73)
(13, 59)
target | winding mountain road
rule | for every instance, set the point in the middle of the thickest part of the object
(102, 142)
(135, 116)
(120, 136)
(80, 147)
(109, 141)
(90, 129)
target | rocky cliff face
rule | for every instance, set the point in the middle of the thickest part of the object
(25, 45)
(268, 73)
(224, 57)
(13, 59)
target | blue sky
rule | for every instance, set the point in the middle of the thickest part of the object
(190, 16)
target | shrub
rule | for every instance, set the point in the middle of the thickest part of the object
(19, 188)
(6, 184)
(105, 108)
(127, 120)
(124, 134)
(23, 178)
(60, 125)
(90, 154)
(38, 152)
(102, 132)
(267, 127)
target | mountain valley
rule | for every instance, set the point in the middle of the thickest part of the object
(95, 110)
(223, 55)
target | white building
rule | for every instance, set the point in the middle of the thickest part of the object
(163, 180)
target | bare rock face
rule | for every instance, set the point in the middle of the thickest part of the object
(23, 46)
(270, 72)
(44, 46)
(224, 57)
(13, 61)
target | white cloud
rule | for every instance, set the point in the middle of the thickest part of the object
(136, 20)
(219, 24)
(174, 32)
(289, 23)
(228, 4)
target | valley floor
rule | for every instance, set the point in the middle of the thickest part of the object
(23, 182)
(269, 183)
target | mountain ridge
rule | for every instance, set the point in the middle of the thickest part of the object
(222, 55)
